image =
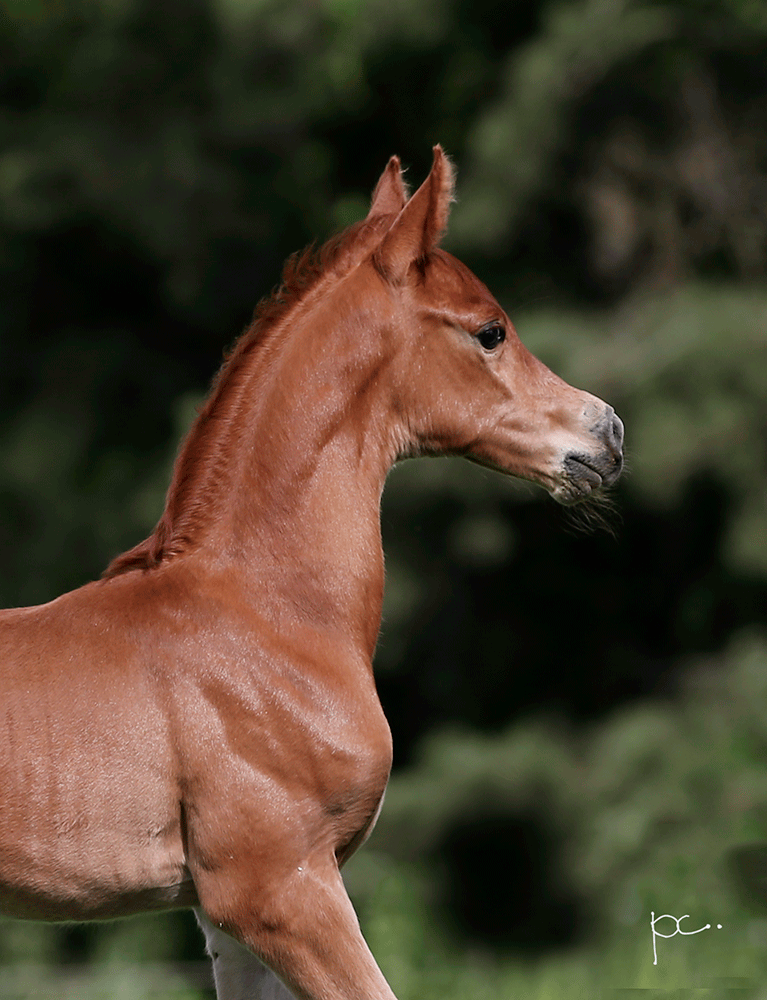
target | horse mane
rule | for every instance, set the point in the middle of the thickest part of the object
(203, 456)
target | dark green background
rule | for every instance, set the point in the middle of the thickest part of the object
(158, 161)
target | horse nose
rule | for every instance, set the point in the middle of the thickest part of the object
(611, 431)
(614, 432)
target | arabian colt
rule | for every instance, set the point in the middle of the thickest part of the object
(200, 728)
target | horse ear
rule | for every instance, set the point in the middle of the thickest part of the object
(390, 192)
(421, 224)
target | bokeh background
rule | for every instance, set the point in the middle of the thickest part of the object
(580, 720)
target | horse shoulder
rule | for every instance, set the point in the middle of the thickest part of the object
(283, 738)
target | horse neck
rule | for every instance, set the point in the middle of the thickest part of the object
(301, 458)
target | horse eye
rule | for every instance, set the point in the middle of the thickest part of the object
(491, 336)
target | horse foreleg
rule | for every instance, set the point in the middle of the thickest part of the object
(237, 973)
(306, 929)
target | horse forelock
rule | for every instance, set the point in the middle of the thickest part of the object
(205, 451)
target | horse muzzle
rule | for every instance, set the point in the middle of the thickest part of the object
(587, 473)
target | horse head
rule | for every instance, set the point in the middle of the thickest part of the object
(463, 381)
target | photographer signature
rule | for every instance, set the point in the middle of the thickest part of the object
(667, 916)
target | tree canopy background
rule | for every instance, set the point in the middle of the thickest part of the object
(576, 716)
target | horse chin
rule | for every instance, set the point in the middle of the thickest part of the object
(586, 477)
(569, 493)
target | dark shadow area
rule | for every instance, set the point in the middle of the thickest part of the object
(504, 883)
(572, 622)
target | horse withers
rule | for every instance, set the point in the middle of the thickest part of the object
(200, 728)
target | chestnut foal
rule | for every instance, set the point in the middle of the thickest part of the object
(201, 727)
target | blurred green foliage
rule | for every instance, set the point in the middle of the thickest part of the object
(577, 719)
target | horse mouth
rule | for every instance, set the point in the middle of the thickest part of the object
(586, 475)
